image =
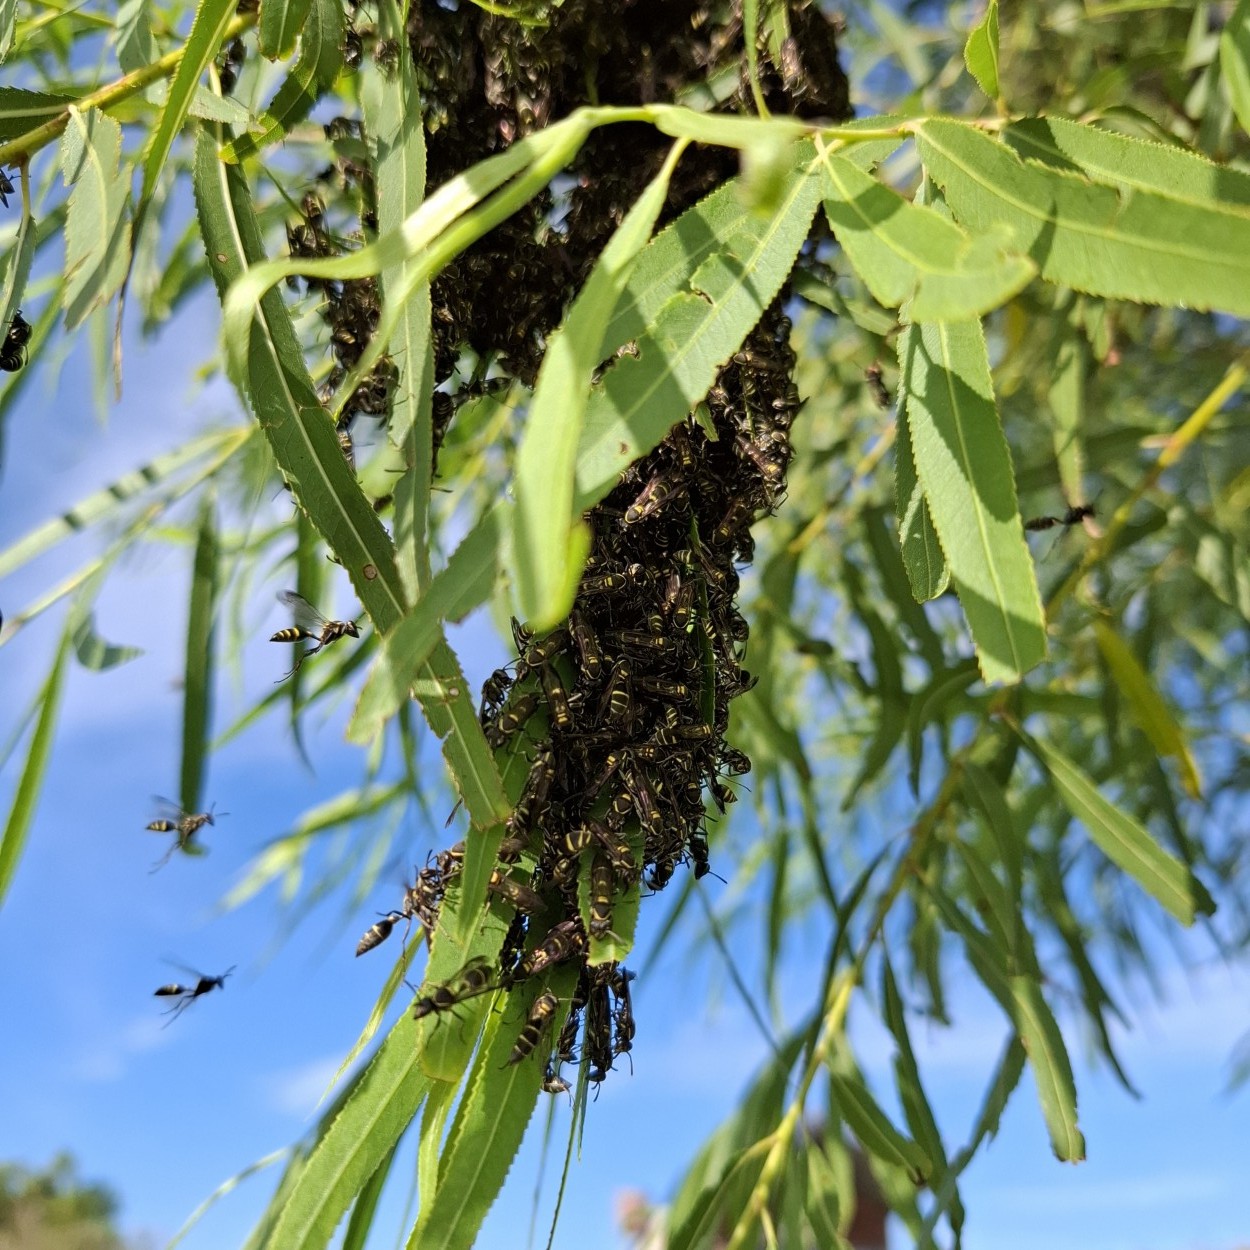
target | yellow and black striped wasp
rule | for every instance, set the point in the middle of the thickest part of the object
(310, 625)
(172, 819)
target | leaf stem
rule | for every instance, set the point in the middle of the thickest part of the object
(18, 151)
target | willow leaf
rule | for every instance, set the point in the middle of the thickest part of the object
(550, 544)
(105, 504)
(1235, 61)
(981, 51)
(927, 570)
(314, 72)
(456, 590)
(1132, 164)
(352, 1148)
(97, 237)
(200, 666)
(1048, 1057)
(280, 24)
(208, 27)
(393, 120)
(1152, 714)
(691, 338)
(17, 268)
(22, 110)
(8, 22)
(26, 795)
(913, 258)
(272, 376)
(964, 467)
(135, 45)
(1123, 840)
(93, 653)
(873, 1130)
(1149, 246)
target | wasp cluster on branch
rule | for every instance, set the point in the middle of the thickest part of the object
(622, 711)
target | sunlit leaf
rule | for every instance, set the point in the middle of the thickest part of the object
(981, 51)
(97, 233)
(1048, 1057)
(964, 468)
(280, 24)
(1123, 840)
(1159, 248)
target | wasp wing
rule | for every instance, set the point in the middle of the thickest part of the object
(306, 616)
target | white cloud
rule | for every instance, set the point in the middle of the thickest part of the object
(110, 1052)
(298, 1090)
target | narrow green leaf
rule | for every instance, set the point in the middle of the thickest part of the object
(467, 581)
(26, 796)
(928, 706)
(314, 72)
(981, 51)
(105, 504)
(1151, 712)
(135, 45)
(280, 24)
(1066, 392)
(913, 258)
(372, 1120)
(93, 653)
(986, 796)
(17, 263)
(433, 1127)
(873, 1130)
(203, 43)
(8, 21)
(1235, 61)
(822, 1199)
(1152, 247)
(927, 570)
(366, 1205)
(273, 378)
(490, 1123)
(1131, 163)
(97, 238)
(21, 110)
(550, 544)
(1123, 840)
(692, 336)
(200, 665)
(393, 121)
(964, 467)
(912, 1096)
(1048, 1057)
(722, 222)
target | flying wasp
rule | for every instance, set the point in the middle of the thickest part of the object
(312, 626)
(173, 819)
(1073, 516)
(542, 1013)
(13, 348)
(187, 994)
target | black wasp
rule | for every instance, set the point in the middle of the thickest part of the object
(187, 994)
(1073, 516)
(186, 825)
(13, 348)
(6, 187)
(310, 625)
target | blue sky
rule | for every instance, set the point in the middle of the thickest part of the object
(166, 1114)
